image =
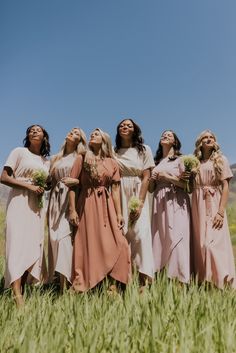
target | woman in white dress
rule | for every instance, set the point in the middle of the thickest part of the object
(25, 217)
(60, 230)
(136, 161)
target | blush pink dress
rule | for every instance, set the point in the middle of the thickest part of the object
(60, 230)
(24, 220)
(213, 253)
(171, 224)
(100, 249)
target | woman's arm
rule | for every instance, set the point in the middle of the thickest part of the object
(219, 217)
(142, 195)
(115, 192)
(73, 215)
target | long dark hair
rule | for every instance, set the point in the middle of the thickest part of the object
(137, 139)
(45, 147)
(176, 146)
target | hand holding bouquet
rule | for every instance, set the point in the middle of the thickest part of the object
(39, 178)
(191, 166)
(134, 206)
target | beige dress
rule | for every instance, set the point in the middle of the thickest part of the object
(132, 164)
(213, 253)
(24, 220)
(60, 231)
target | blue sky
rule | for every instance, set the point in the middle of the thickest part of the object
(169, 64)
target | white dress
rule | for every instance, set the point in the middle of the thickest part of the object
(132, 164)
(60, 231)
(24, 220)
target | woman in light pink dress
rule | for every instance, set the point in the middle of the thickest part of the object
(100, 249)
(171, 211)
(213, 253)
(60, 230)
(25, 219)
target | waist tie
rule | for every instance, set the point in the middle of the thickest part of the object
(57, 205)
(208, 193)
(103, 192)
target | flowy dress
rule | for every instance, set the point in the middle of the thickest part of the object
(60, 230)
(212, 248)
(171, 224)
(100, 249)
(25, 221)
(132, 164)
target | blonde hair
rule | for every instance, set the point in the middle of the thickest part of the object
(80, 149)
(106, 148)
(216, 154)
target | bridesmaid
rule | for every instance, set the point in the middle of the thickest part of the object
(170, 211)
(213, 253)
(60, 231)
(24, 219)
(100, 249)
(135, 162)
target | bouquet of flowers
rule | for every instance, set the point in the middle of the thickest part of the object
(39, 178)
(191, 165)
(133, 205)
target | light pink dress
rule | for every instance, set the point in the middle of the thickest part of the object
(213, 253)
(171, 224)
(60, 231)
(132, 164)
(24, 220)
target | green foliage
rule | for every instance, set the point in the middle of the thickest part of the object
(166, 318)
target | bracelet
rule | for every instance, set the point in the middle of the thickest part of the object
(220, 214)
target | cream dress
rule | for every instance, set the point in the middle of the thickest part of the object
(60, 231)
(24, 220)
(132, 164)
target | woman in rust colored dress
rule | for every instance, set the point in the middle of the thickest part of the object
(100, 249)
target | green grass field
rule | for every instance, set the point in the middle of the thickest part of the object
(167, 317)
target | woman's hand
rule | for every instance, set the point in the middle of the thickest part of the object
(185, 176)
(154, 176)
(70, 182)
(73, 218)
(163, 176)
(218, 221)
(120, 221)
(35, 189)
(134, 215)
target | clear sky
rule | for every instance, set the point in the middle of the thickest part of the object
(169, 64)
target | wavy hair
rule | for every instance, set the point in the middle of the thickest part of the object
(216, 154)
(176, 146)
(80, 149)
(137, 139)
(106, 148)
(45, 147)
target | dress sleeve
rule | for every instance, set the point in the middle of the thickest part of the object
(226, 173)
(116, 173)
(14, 159)
(77, 167)
(148, 161)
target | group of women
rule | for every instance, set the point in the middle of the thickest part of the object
(113, 210)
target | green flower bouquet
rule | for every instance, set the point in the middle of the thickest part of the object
(191, 165)
(39, 178)
(133, 206)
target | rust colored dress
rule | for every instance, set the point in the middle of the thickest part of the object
(100, 249)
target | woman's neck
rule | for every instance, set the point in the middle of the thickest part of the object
(126, 143)
(35, 149)
(206, 154)
(167, 151)
(69, 149)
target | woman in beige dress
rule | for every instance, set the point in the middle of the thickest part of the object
(136, 161)
(213, 253)
(100, 249)
(60, 230)
(25, 218)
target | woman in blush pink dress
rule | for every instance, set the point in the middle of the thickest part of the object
(213, 253)
(24, 219)
(171, 211)
(100, 249)
(136, 161)
(60, 230)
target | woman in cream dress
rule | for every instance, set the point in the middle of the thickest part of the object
(60, 230)
(135, 161)
(213, 253)
(24, 219)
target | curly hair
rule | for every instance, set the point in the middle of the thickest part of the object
(216, 154)
(137, 139)
(176, 146)
(45, 147)
(80, 149)
(106, 148)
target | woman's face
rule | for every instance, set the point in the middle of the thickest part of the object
(36, 135)
(126, 129)
(208, 141)
(73, 136)
(167, 138)
(95, 138)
